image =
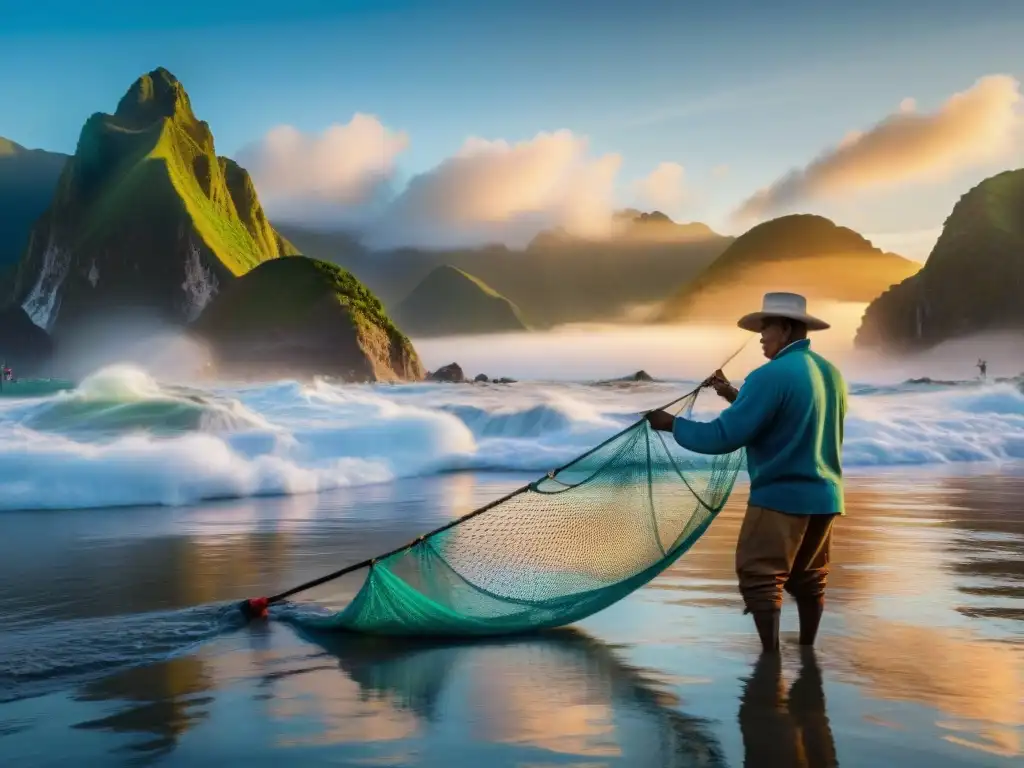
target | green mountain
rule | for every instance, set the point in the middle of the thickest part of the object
(303, 316)
(451, 302)
(802, 253)
(28, 178)
(556, 279)
(144, 215)
(973, 281)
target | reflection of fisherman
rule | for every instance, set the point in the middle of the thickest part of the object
(782, 730)
(789, 417)
(982, 367)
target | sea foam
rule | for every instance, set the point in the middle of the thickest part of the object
(125, 439)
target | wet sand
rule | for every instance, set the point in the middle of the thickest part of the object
(112, 653)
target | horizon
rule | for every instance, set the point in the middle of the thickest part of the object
(531, 118)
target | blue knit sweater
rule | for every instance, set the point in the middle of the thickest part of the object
(789, 416)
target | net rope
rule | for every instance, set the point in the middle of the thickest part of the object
(552, 552)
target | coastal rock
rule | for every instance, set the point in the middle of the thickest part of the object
(639, 376)
(451, 373)
(481, 378)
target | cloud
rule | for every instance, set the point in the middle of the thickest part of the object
(972, 127)
(340, 169)
(489, 191)
(497, 191)
(664, 187)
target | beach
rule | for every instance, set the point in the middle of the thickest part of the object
(121, 645)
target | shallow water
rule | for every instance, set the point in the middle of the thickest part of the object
(117, 649)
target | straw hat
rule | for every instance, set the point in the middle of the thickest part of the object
(789, 305)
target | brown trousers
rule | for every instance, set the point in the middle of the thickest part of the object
(777, 552)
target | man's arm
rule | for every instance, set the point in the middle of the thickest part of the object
(736, 426)
(725, 390)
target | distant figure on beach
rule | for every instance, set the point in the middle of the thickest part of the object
(983, 367)
(789, 416)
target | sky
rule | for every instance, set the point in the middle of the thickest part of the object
(447, 122)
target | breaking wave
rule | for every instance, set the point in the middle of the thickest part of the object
(122, 438)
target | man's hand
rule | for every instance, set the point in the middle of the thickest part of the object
(661, 420)
(722, 386)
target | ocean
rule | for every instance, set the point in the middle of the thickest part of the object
(134, 512)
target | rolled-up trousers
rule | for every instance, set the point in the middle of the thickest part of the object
(777, 551)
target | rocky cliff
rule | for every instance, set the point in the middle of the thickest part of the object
(973, 281)
(299, 316)
(145, 215)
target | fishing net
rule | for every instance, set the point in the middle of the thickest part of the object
(553, 552)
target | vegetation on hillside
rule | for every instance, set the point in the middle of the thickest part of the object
(317, 314)
(450, 301)
(153, 136)
(803, 253)
(557, 279)
(281, 292)
(145, 213)
(973, 281)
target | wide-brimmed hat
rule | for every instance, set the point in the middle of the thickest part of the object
(789, 305)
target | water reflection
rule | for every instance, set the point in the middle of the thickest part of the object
(987, 553)
(922, 577)
(922, 633)
(876, 533)
(786, 731)
(558, 693)
(81, 564)
(975, 683)
(163, 702)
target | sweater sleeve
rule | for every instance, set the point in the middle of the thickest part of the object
(737, 425)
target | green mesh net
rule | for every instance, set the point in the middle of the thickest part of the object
(556, 551)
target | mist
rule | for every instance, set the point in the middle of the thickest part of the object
(607, 351)
(581, 352)
(691, 352)
(135, 337)
(952, 360)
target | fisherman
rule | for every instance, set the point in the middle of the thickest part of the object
(789, 416)
(982, 366)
